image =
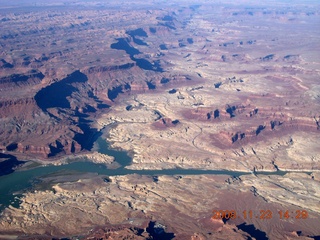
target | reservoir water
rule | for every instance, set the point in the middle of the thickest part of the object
(13, 185)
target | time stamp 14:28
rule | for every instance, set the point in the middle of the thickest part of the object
(259, 214)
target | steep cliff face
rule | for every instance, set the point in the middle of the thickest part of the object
(56, 120)
(46, 105)
(222, 113)
(251, 123)
(109, 82)
(273, 129)
(19, 108)
(165, 122)
(8, 163)
(20, 119)
(52, 123)
(25, 128)
(72, 101)
(30, 78)
(43, 151)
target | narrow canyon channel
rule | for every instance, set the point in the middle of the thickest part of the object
(14, 184)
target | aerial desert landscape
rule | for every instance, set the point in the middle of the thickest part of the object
(159, 119)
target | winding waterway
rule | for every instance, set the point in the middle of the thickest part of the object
(13, 185)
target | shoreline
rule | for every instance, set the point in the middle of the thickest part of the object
(111, 163)
(115, 157)
(115, 165)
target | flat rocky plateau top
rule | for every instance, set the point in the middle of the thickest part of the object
(203, 85)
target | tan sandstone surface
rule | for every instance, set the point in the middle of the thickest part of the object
(211, 85)
(183, 204)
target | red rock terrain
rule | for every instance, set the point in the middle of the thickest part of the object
(43, 55)
(207, 85)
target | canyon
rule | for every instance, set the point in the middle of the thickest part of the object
(203, 85)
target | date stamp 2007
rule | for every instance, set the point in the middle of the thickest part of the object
(259, 214)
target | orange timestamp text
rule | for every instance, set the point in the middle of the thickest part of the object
(259, 214)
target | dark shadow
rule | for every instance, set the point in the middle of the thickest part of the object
(102, 106)
(175, 122)
(188, 55)
(153, 30)
(151, 86)
(164, 80)
(138, 32)
(88, 137)
(315, 237)
(167, 18)
(129, 107)
(275, 123)
(55, 95)
(5, 64)
(169, 25)
(54, 150)
(231, 110)
(268, 57)
(114, 92)
(163, 47)
(172, 91)
(7, 166)
(256, 233)
(139, 42)
(146, 65)
(190, 40)
(155, 179)
(235, 138)
(12, 147)
(17, 78)
(242, 135)
(259, 129)
(157, 231)
(216, 113)
(89, 109)
(122, 44)
(217, 85)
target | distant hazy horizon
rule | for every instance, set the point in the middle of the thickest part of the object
(240, 2)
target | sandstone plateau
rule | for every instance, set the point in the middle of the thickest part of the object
(183, 206)
(206, 85)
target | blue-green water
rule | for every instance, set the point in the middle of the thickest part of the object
(12, 185)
